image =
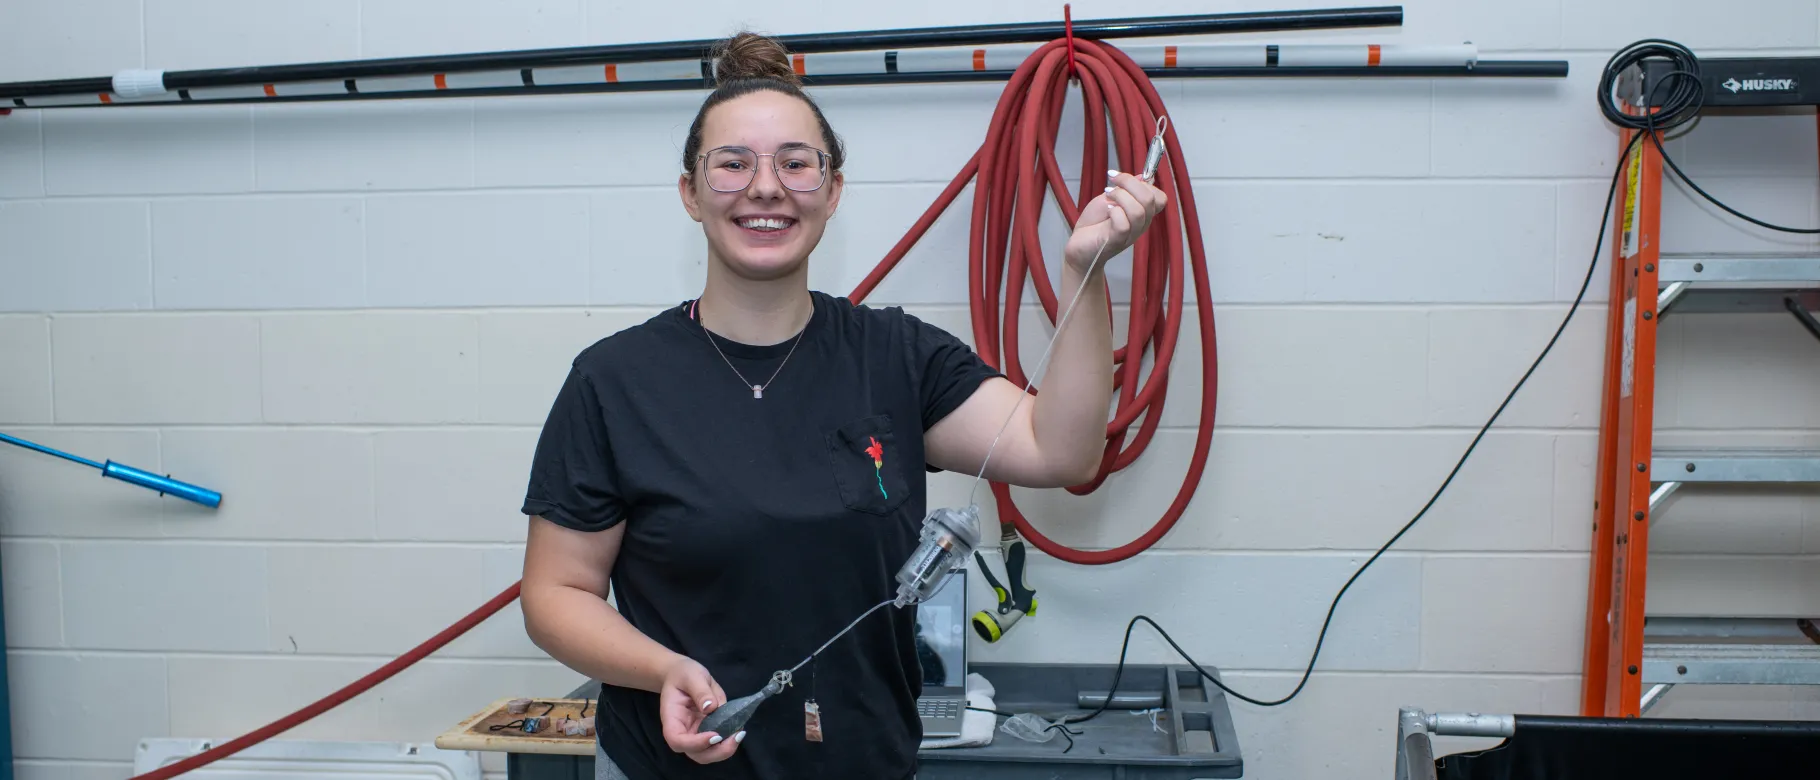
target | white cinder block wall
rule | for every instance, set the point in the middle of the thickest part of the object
(350, 319)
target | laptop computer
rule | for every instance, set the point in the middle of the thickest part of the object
(941, 644)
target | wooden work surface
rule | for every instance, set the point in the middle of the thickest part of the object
(477, 733)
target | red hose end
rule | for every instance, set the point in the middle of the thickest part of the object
(1068, 35)
(5, 111)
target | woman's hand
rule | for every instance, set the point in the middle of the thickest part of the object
(687, 695)
(1116, 217)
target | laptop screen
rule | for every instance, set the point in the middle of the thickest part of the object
(941, 635)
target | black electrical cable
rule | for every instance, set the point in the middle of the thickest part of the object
(1681, 103)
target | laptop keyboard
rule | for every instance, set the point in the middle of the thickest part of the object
(938, 708)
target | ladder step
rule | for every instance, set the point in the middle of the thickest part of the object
(1731, 651)
(1773, 465)
(1802, 268)
(1737, 284)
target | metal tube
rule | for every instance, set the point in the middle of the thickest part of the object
(967, 35)
(1654, 696)
(1801, 314)
(1660, 494)
(1088, 700)
(1666, 297)
(163, 485)
(1471, 724)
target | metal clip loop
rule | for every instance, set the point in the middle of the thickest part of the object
(1155, 156)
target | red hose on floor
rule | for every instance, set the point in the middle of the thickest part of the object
(1013, 166)
(1019, 142)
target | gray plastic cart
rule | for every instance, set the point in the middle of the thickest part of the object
(1191, 739)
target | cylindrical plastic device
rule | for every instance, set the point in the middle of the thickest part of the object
(949, 536)
(138, 82)
(146, 479)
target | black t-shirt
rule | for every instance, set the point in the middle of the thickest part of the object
(757, 528)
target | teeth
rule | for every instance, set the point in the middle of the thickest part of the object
(765, 223)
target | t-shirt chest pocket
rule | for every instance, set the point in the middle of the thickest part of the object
(868, 465)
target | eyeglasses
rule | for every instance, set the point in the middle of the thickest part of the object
(731, 168)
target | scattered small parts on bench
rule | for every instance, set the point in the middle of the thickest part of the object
(529, 725)
(576, 727)
(582, 725)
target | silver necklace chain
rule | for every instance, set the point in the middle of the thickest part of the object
(758, 391)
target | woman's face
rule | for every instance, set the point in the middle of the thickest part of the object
(767, 230)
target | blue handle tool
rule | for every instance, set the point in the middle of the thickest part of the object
(120, 471)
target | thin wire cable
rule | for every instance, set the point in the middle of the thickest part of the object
(843, 632)
(1086, 276)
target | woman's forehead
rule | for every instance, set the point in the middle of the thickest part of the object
(763, 121)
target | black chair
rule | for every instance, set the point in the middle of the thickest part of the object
(1553, 747)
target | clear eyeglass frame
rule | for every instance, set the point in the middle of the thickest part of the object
(793, 180)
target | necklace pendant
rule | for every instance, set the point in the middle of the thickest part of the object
(758, 391)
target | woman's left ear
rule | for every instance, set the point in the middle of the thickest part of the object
(835, 183)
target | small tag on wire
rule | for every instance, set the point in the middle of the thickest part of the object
(812, 721)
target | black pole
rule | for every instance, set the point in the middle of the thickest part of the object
(1483, 69)
(808, 43)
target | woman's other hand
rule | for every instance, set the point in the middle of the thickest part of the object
(687, 695)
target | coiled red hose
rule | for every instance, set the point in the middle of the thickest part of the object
(1013, 166)
(1020, 141)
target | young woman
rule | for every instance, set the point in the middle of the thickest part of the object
(746, 470)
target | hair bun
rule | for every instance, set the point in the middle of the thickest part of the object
(749, 55)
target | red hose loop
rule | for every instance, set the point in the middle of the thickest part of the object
(347, 692)
(1013, 166)
(1068, 36)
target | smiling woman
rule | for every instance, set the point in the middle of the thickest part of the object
(760, 119)
(746, 471)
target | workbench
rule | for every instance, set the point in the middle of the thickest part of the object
(1191, 737)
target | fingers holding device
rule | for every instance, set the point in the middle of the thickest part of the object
(689, 697)
(1112, 222)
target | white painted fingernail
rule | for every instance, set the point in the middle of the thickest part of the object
(715, 740)
(1108, 189)
(1112, 172)
(706, 703)
(740, 737)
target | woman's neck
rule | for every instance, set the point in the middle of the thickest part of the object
(754, 312)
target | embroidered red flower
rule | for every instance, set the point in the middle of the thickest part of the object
(877, 451)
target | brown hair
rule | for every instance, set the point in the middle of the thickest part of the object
(744, 64)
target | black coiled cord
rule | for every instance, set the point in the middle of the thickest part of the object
(1682, 103)
(1686, 96)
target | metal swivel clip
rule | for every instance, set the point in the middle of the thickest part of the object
(1154, 157)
